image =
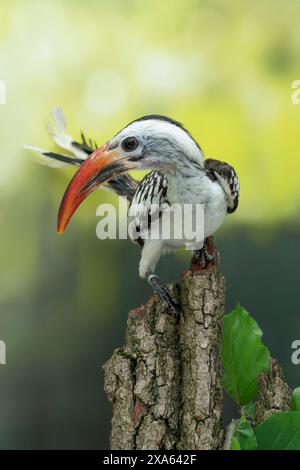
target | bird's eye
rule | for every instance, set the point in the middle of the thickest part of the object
(130, 144)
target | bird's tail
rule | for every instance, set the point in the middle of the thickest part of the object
(77, 153)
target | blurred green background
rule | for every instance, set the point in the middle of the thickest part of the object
(224, 69)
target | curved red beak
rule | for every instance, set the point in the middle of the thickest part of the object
(100, 166)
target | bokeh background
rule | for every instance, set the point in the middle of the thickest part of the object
(222, 68)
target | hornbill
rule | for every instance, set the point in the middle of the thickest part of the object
(179, 175)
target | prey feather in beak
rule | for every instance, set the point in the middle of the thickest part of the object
(101, 166)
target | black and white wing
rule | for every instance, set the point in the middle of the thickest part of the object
(226, 176)
(147, 205)
(78, 152)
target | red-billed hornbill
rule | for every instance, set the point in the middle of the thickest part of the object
(180, 175)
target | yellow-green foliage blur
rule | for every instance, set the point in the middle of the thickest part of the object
(224, 68)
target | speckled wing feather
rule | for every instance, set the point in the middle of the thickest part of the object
(227, 178)
(147, 205)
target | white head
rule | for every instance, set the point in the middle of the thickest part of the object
(157, 142)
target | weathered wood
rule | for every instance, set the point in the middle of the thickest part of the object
(165, 383)
(274, 394)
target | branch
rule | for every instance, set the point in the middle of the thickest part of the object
(274, 394)
(165, 383)
(230, 430)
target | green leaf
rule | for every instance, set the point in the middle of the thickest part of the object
(235, 445)
(245, 435)
(243, 355)
(296, 400)
(281, 431)
(248, 410)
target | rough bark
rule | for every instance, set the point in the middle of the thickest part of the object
(274, 394)
(165, 383)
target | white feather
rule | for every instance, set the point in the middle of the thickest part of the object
(43, 159)
(57, 131)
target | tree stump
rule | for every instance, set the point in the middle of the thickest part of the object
(274, 395)
(165, 383)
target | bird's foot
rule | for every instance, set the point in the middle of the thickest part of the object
(204, 257)
(172, 305)
(163, 293)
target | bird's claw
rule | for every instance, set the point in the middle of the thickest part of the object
(173, 307)
(204, 257)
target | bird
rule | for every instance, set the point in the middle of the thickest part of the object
(179, 174)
